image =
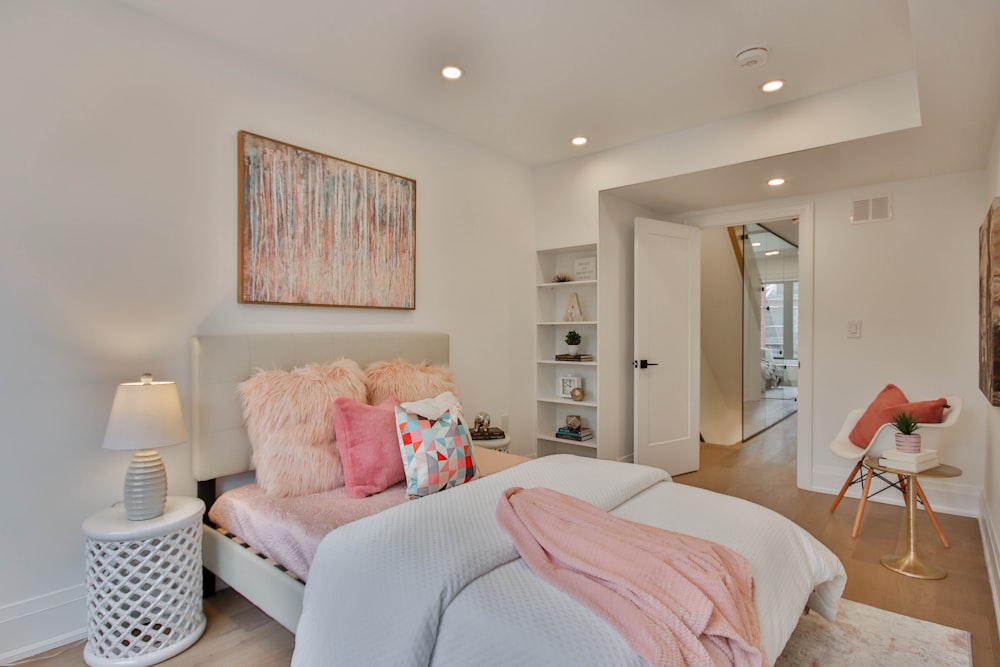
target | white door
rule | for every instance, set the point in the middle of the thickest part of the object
(667, 345)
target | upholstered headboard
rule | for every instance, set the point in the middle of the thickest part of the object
(219, 363)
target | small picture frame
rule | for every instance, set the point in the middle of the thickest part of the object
(585, 268)
(567, 384)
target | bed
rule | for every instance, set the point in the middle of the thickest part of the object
(405, 587)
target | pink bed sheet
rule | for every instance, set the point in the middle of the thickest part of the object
(289, 530)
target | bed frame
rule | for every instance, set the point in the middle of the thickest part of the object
(220, 448)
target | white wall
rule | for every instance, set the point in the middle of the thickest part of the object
(616, 252)
(885, 275)
(913, 282)
(990, 509)
(118, 193)
(721, 339)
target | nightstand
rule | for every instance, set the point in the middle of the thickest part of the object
(499, 444)
(144, 601)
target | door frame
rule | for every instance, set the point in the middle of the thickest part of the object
(762, 214)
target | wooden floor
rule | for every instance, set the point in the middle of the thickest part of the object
(763, 471)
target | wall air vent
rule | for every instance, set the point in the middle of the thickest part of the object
(876, 209)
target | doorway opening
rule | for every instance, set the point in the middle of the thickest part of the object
(770, 323)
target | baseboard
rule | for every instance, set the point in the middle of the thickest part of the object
(945, 496)
(991, 552)
(36, 625)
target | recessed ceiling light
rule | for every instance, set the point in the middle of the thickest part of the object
(755, 244)
(776, 181)
(772, 252)
(578, 141)
(452, 72)
(773, 86)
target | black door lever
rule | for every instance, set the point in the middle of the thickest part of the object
(642, 363)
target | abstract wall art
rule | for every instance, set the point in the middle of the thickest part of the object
(989, 304)
(316, 230)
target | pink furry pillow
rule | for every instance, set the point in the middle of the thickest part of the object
(290, 422)
(369, 446)
(407, 381)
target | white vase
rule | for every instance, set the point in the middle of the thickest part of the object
(574, 349)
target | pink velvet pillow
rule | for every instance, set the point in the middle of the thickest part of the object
(290, 422)
(407, 381)
(369, 447)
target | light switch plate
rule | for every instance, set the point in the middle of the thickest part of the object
(854, 328)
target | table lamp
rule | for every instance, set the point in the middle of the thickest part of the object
(145, 415)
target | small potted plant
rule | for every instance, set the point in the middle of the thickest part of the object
(907, 438)
(573, 341)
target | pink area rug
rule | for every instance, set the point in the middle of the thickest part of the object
(864, 636)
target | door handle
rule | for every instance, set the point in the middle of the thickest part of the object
(642, 363)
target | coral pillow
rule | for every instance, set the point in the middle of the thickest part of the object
(890, 402)
(406, 381)
(290, 422)
(369, 448)
(873, 418)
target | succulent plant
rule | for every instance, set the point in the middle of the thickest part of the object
(905, 422)
(572, 338)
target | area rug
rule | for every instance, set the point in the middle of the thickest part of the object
(864, 636)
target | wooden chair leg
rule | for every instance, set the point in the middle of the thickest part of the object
(861, 506)
(843, 490)
(902, 488)
(930, 513)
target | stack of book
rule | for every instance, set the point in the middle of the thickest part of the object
(566, 433)
(574, 357)
(917, 462)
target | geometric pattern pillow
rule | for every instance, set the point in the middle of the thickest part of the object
(436, 454)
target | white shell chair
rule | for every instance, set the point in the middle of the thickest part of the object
(884, 438)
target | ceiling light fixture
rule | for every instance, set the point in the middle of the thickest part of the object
(772, 86)
(452, 72)
(578, 141)
(774, 182)
(772, 252)
(755, 244)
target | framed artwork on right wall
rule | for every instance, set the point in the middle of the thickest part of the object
(989, 304)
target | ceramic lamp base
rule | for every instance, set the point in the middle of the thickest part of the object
(145, 486)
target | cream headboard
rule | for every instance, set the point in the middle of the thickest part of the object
(219, 441)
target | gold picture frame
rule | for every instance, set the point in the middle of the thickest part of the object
(315, 230)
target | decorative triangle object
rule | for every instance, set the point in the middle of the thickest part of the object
(573, 311)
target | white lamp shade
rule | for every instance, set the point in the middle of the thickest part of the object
(145, 415)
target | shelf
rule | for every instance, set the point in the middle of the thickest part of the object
(553, 302)
(566, 401)
(570, 283)
(568, 324)
(589, 444)
(556, 362)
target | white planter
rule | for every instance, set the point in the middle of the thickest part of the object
(908, 443)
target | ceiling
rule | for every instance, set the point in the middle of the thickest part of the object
(539, 73)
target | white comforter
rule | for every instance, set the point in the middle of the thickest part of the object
(437, 582)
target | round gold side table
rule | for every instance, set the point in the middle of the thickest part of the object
(910, 563)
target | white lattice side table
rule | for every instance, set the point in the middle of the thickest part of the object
(144, 601)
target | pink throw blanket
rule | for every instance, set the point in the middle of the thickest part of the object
(677, 599)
